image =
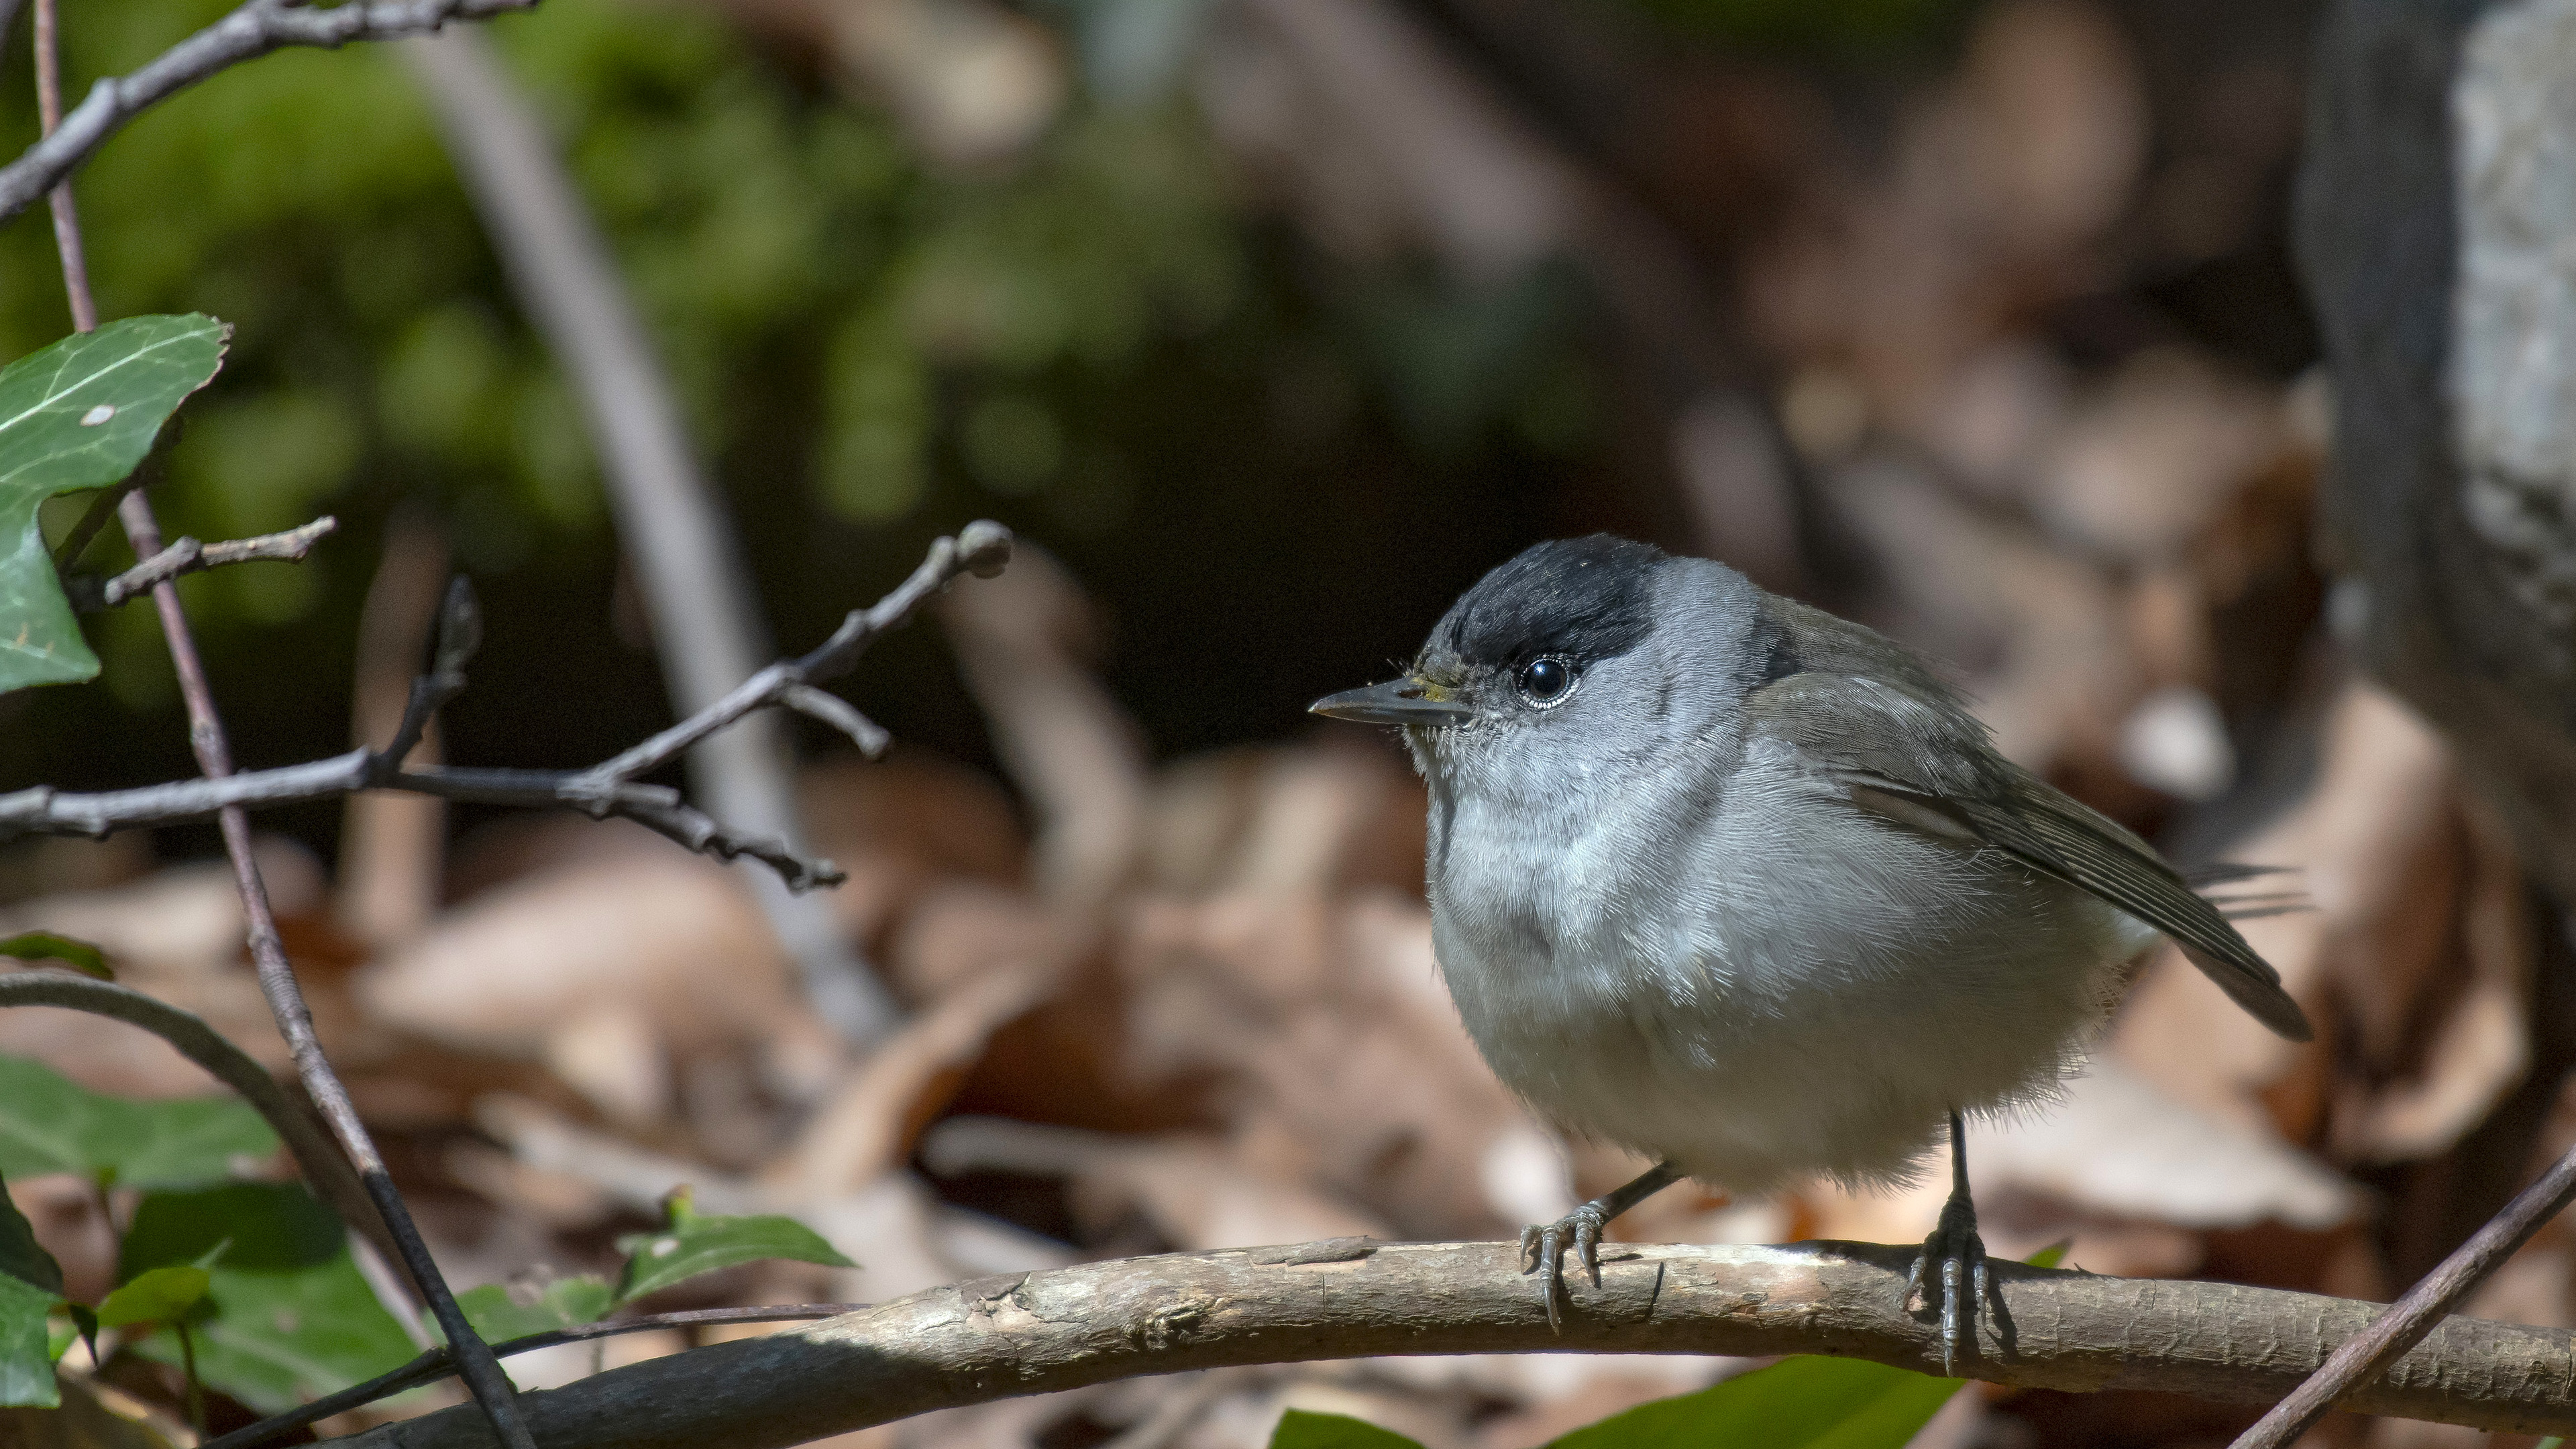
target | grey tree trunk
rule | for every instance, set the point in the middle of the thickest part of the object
(2436, 224)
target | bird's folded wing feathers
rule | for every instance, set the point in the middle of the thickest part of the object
(1909, 751)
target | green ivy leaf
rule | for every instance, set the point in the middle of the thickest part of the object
(1299, 1429)
(1799, 1403)
(51, 1124)
(79, 414)
(21, 1256)
(695, 1244)
(279, 1339)
(292, 1317)
(564, 1303)
(262, 1226)
(81, 956)
(31, 1287)
(161, 1295)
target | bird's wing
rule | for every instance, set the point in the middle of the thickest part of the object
(1906, 748)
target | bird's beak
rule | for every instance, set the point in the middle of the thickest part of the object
(1406, 701)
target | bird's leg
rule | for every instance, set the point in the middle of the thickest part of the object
(1951, 1269)
(1543, 1248)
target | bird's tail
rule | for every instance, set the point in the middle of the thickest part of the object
(2212, 883)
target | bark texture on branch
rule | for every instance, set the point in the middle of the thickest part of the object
(1032, 1333)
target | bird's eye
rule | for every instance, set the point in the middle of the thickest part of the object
(1546, 681)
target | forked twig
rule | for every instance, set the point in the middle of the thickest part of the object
(612, 787)
(246, 34)
(188, 556)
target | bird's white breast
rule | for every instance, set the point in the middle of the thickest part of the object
(1742, 972)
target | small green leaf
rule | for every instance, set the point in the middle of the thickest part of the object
(81, 956)
(79, 414)
(278, 1339)
(695, 1243)
(21, 1256)
(1799, 1403)
(31, 1286)
(1299, 1429)
(162, 1295)
(26, 1348)
(262, 1226)
(564, 1303)
(292, 1317)
(51, 1124)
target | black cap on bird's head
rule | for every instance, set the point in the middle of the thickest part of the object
(1536, 621)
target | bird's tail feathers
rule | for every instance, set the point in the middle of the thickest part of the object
(2209, 880)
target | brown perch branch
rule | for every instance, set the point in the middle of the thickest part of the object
(998, 1337)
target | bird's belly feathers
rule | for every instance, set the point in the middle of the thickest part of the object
(1768, 1010)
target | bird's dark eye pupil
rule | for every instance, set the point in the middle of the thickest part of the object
(1544, 680)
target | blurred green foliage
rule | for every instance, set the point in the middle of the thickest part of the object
(1099, 343)
(308, 200)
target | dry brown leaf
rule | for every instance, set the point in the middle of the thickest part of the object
(2480, 1047)
(183, 920)
(868, 1125)
(392, 845)
(1344, 816)
(957, 930)
(673, 936)
(2116, 1147)
(2378, 845)
(1023, 640)
(611, 1052)
(1198, 1194)
(2145, 465)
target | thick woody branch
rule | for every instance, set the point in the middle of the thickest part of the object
(188, 556)
(609, 788)
(1034, 1333)
(436, 1363)
(246, 34)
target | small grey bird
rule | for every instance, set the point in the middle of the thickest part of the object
(1743, 887)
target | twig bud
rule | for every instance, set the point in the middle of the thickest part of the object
(985, 547)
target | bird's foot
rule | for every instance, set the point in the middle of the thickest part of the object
(1951, 1273)
(1543, 1253)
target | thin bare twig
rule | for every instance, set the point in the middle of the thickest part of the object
(433, 1364)
(252, 31)
(491, 1388)
(1028, 1333)
(706, 623)
(493, 1395)
(188, 556)
(606, 789)
(57, 190)
(2367, 1354)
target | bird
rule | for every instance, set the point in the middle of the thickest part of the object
(1746, 888)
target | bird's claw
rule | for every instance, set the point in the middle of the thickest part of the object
(1543, 1252)
(1952, 1272)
